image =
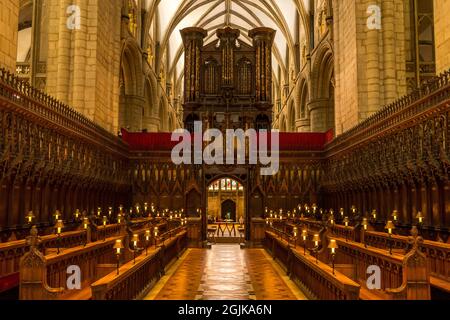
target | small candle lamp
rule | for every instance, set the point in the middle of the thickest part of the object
(395, 215)
(77, 214)
(304, 238)
(119, 218)
(420, 218)
(105, 222)
(374, 215)
(99, 211)
(346, 223)
(57, 215)
(147, 240)
(390, 228)
(353, 209)
(295, 232)
(333, 246)
(30, 217)
(365, 224)
(118, 247)
(316, 240)
(135, 241)
(155, 232)
(59, 227)
(341, 212)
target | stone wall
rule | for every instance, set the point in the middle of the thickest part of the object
(83, 64)
(9, 17)
(370, 63)
(442, 32)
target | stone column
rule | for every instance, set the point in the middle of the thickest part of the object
(8, 34)
(318, 114)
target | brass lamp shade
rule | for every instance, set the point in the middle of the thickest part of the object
(30, 216)
(365, 223)
(346, 221)
(135, 239)
(147, 235)
(390, 226)
(59, 226)
(304, 234)
(420, 217)
(316, 238)
(105, 220)
(395, 215)
(118, 246)
(155, 231)
(333, 245)
(353, 209)
(374, 214)
(295, 231)
(85, 223)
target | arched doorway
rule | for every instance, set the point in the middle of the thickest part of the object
(226, 210)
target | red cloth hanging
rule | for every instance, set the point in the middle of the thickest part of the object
(161, 141)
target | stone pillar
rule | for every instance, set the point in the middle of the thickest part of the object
(263, 39)
(303, 125)
(442, 37)
(318, 114)
(9, 18)
(134, 106)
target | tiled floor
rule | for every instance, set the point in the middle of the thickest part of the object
(225, 273)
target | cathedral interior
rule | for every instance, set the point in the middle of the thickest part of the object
(352, 96)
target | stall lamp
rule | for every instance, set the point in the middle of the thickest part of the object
(145, 206)
(118, 246)
(267, 220)
(395, 215)
(99, 211)
(331, 219)
(295, 232)
(316, 240)
(77, 214)
(156, 231)
(365, 224)
(353, 210)
(304, 234)
(56, 215)
(138, 208)
(30, 217)
(390, 227)
(120, 208)
(119, 218)
(341, 211)
(333, 246)
(147, 240)
(110, 210)
(374, 214)
(85, 223)
(59, 226)
(332, 212)
(135, 240)
(346, 221)
(105, 221)
(420, 217)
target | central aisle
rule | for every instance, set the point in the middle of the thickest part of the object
(225, 273)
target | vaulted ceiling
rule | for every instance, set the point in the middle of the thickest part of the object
(167, 17)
